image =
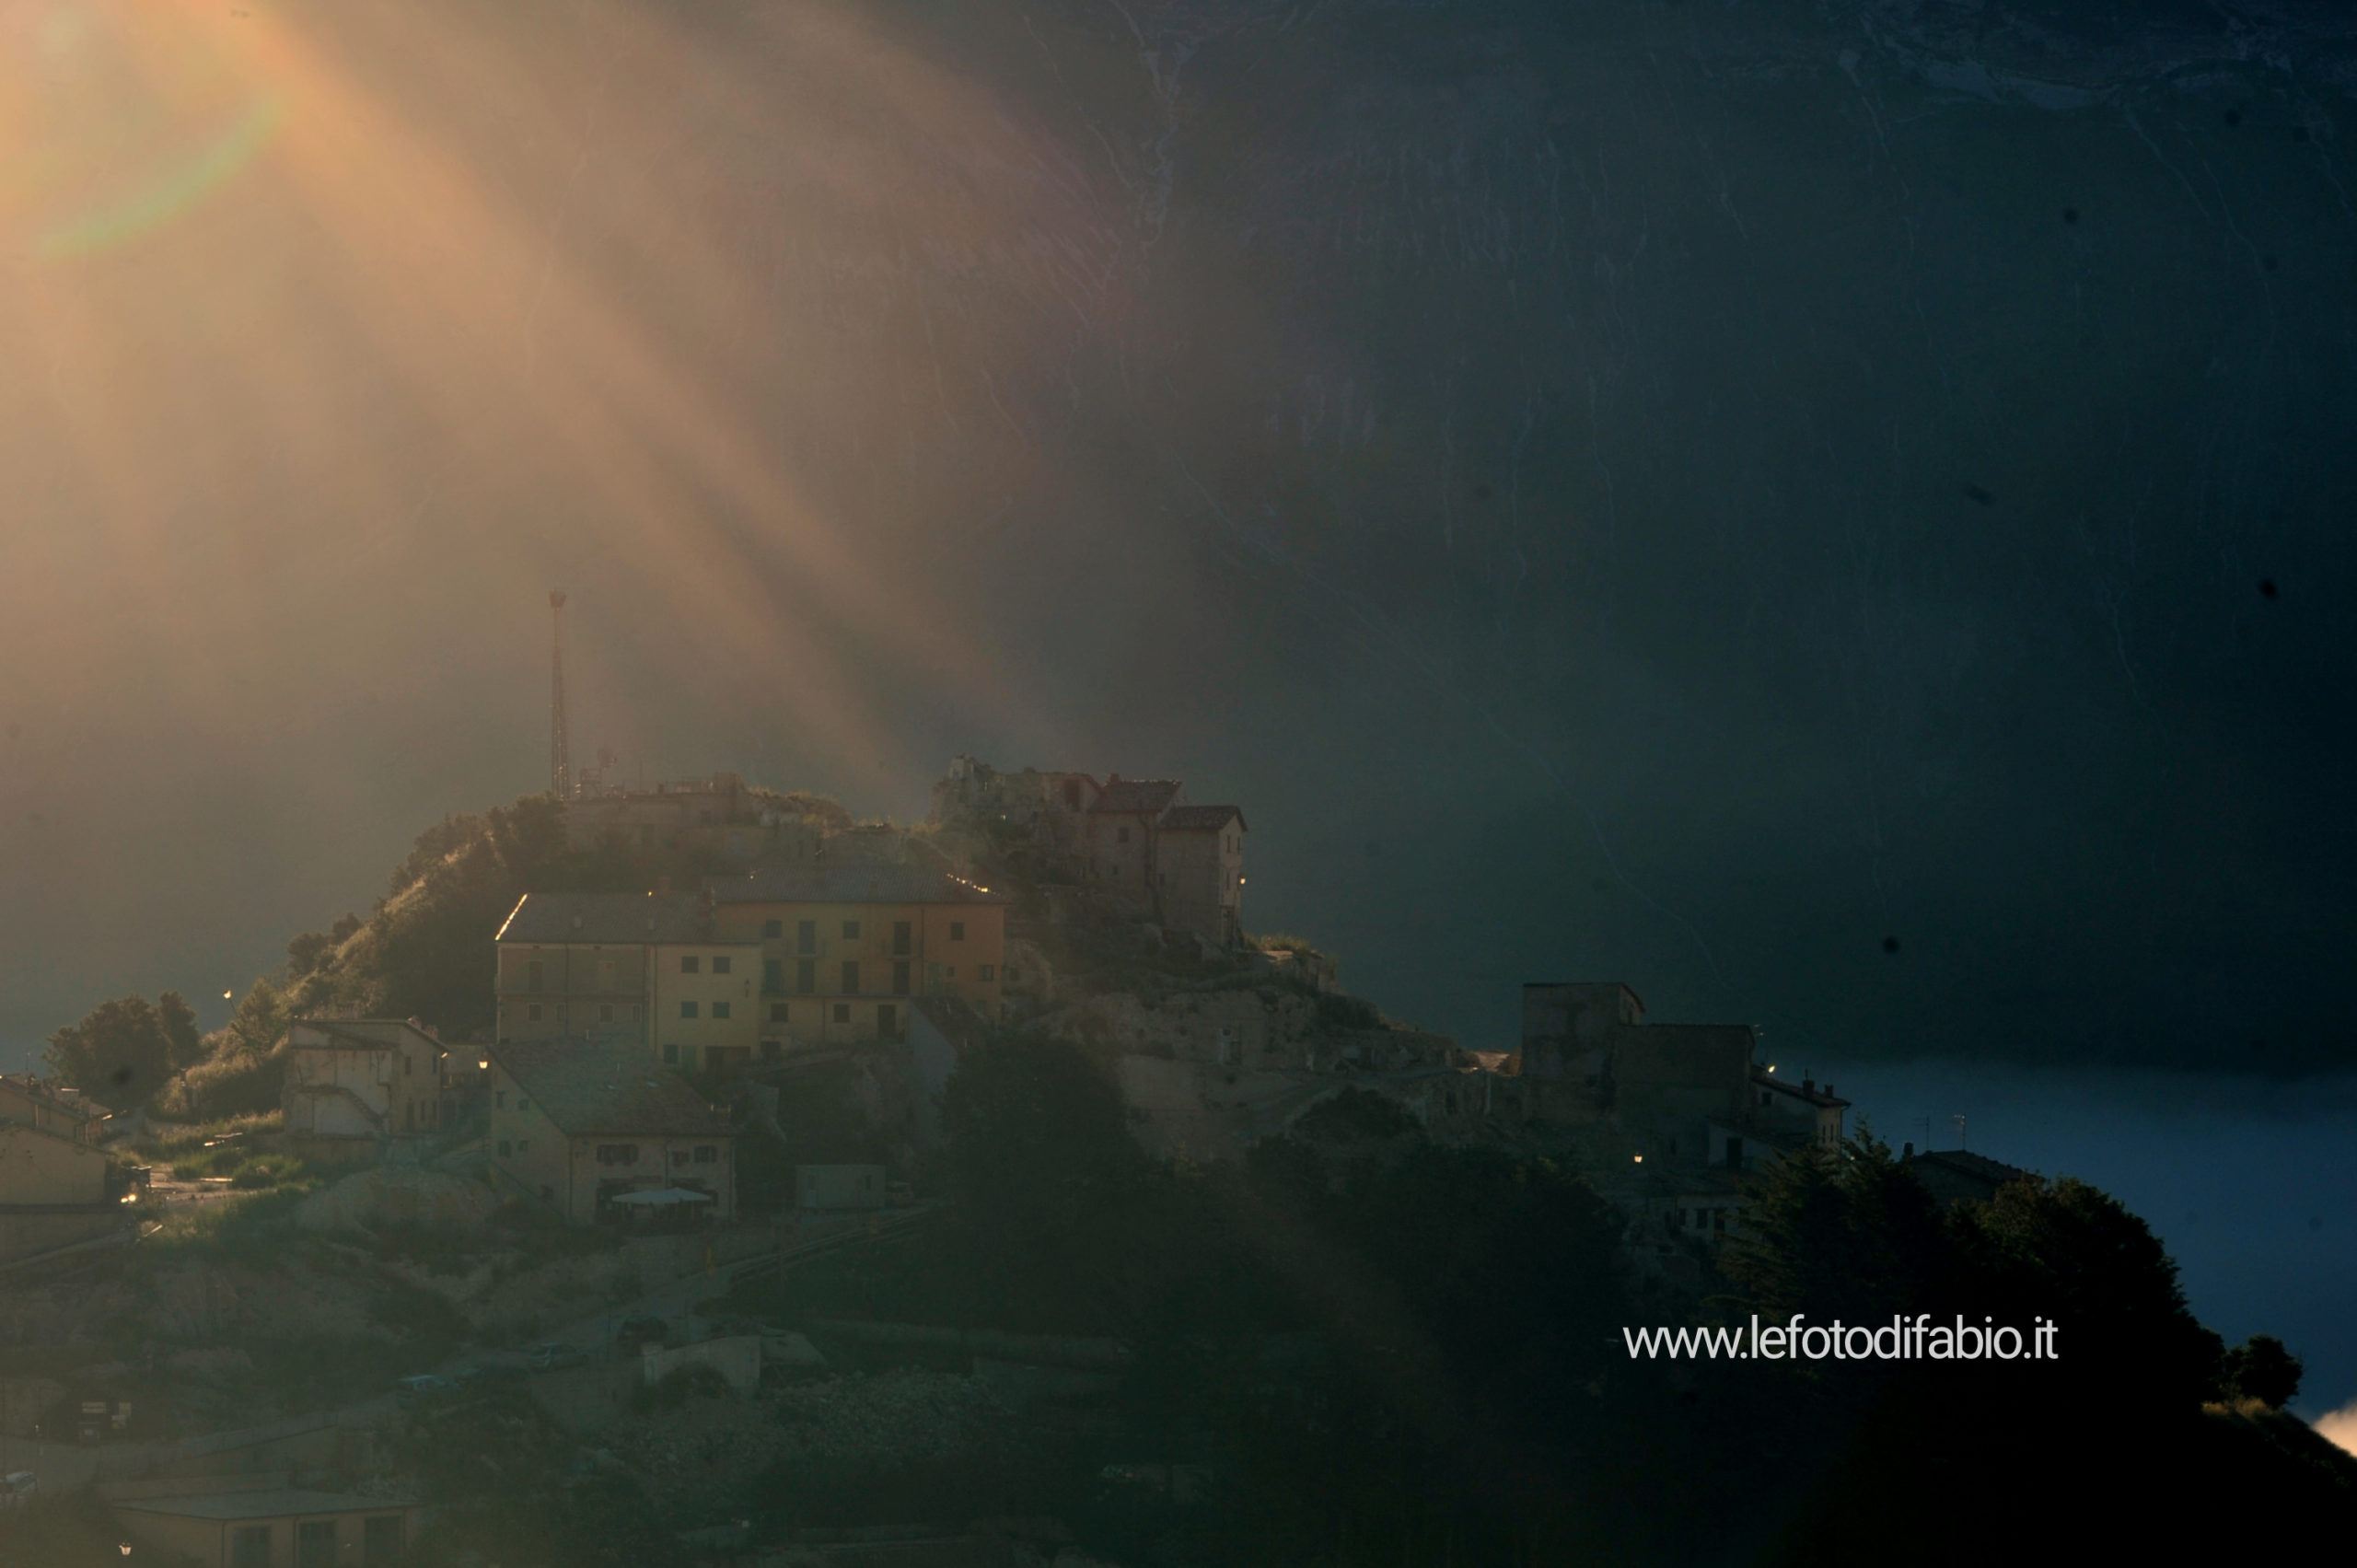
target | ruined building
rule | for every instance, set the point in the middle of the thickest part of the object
(1138, 842)
(719, 815)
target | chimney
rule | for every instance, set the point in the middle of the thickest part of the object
(1906, 1151)
(1809, 1086)
(1828, 1091)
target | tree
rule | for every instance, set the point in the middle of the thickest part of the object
(1851, 1235)
(2070, 1254)
(119, 1054)
(257, 1025)
(182, 1042)
(2261, 1368)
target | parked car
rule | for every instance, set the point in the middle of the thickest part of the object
(554, 1355)
(490, 1374)
(635, 1331)
(425, 1385)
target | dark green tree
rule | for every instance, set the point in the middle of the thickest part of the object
(2261, 1368)
(183, 1043)
(119, 1054)
(257, 1024)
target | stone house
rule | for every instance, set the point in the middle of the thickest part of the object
(576, 1125)
(845, 951)
(1687, 1094)
(1959, 1176)
(354, 1084)
(1179, 864)
(1201, 851)
(652, 973)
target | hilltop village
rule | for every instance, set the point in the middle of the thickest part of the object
(730, 1058)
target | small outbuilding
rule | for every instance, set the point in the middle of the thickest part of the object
(839, 1187)
(276, 1528)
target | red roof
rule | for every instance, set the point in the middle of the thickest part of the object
(1202, 819)
(1138, 798)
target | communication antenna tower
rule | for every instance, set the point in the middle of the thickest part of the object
(560, 760)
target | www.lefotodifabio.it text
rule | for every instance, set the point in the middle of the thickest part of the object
(1901, 1338)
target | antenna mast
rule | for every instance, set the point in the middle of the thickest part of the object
(560, 762)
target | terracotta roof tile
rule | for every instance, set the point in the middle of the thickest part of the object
(587, 1088)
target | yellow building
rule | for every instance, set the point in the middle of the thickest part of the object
(577, 1125)
(652, 973)
(53, 1108)
(845, 950)
(53, 1191)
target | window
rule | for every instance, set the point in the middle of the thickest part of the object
(901, 938)
(843, 1012)
(899, 977)
(618, 1154)
(605, 1012)
(315, 1544)
(951, 971)
(522, 1104)
(670, 1056)
(720, 1009)
(771, 930)
(707, 1154)
(679, 1157)
(1115, 873)
(523, 1145)
(499, 1099)
(533, 973)
(851, 977)
(689, 963)
(805, 976)
(409, 1066)
(986, 972)
(957, 931)
(687, 1009)
(719, 964)
(772, 974)
(532, 1012)
(806, 936)
(1120, 835)
(850, 931)
(250, 1547)
(506, 1149)
(380, 1540)
(777, 1012)
(888, 1021)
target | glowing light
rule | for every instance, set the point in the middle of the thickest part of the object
(224, 997)
(1641, 1159)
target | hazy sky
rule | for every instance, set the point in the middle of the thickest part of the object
(1681, 494)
